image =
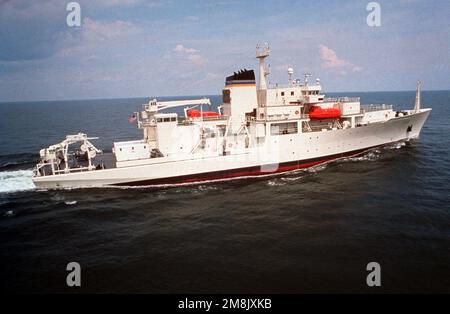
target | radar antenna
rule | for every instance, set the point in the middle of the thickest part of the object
(290, 72)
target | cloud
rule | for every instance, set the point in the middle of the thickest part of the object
(107, 30)
(192, 18)
(106, 5)
(196, 59)
(28, 29)
(118, 2)
(132, 47)
(181, 48)
(94, 36)
(25, 9)
(190, 54)
(332, 61)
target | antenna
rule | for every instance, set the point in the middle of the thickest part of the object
(417, 104)
(306, 78)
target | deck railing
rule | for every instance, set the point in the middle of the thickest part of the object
(187, 121)
(375, 107)
(341, 99)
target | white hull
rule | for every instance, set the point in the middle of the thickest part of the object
(279, 153)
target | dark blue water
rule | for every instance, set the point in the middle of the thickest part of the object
(311, 231)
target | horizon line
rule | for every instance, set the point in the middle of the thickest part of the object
(202, 95)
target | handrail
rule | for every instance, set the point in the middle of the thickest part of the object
(187, 121)
(375, 107)
(342, 99)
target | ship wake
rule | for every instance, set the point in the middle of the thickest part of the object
(14, 181)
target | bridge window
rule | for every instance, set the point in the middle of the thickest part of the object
(168, 119)
(292, 93)
(282, 93)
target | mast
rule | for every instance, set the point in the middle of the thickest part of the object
(417, 104)
(261, 54)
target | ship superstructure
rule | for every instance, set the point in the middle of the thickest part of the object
(259, 129)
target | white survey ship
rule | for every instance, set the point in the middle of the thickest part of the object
(258, 130)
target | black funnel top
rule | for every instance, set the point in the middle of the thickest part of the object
(242, 75)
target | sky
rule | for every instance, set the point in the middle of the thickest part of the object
(137, 48)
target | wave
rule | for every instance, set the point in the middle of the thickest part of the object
(9, 213)
(375, 153)
(10, 166)
(275, 182)
(368, 156)
(13, 181)
(319, 167)
(396, 145)
(17, 161)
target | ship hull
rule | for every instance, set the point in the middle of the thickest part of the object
(254, 171)
(278, 154)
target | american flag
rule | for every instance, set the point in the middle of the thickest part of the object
(132, 119)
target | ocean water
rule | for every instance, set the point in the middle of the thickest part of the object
(309, 231)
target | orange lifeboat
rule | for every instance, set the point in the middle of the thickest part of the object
(316, 112)
(193, 113)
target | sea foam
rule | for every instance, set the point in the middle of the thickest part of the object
(12, 181)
